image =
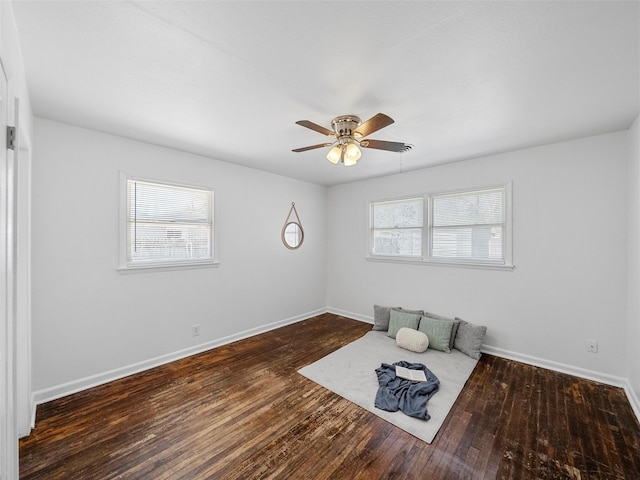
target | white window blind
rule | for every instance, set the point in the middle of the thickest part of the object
(168, 224)
(469, 226)
(396, 227)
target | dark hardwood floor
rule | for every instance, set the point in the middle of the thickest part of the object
(242, 411)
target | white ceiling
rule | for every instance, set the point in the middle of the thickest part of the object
(229, 79)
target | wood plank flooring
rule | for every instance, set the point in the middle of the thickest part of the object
(242, 411)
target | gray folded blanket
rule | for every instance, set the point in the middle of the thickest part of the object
(395, 393)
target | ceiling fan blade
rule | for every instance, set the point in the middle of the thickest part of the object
(316, 127)
(312, 147)
(374, 124)
(384, 145)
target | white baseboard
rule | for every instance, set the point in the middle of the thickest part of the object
(633, 399)
(58, 391)
(34, 411)
(570, 370)
(556, 366)
(26, 431)
(355, 316)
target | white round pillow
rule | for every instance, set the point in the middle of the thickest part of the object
(411, 339)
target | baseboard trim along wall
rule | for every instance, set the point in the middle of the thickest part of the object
(570, 370)
(555, 366)
(23, 430)
(633, 399)
(355, 316)
(59, 391)
(538, 362)
(46, 395)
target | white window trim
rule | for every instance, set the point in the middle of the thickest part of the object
(125, 266)
(426, 259)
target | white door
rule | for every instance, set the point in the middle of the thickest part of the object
(8, 426)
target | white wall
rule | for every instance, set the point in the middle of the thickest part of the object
(92, 323)
(633, 312)
(570, 253)
(570, 283)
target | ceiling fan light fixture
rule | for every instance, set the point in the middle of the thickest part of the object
(349, 162)
(334, 154)
(352, 154)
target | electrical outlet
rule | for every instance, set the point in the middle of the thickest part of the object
(592, 346)
(195, 330)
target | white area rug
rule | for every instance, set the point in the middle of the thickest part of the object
(350, 372)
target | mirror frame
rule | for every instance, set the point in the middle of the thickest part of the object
(284, 239)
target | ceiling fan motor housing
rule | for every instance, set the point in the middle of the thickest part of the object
(345, 125)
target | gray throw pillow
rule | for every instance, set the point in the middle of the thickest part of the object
(438, 331)
(469, 338)
(399, 319)
(454, 329)
(381, 317)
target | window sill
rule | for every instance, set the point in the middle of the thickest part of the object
(440, 263)
(166, 267)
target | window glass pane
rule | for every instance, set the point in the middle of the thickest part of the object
(404, 242)
(398, 214)
(472, 243)
(469, 226)
(168, 223)
(165, 203)
(477, 208)
(166, 242)
(396, 228)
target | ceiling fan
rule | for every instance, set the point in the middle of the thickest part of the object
(349, 133)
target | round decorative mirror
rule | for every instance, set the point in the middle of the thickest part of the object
(292, 232)
(292, 235)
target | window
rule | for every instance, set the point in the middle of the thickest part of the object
(396, 227)
(467, 228)
(167, 224)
